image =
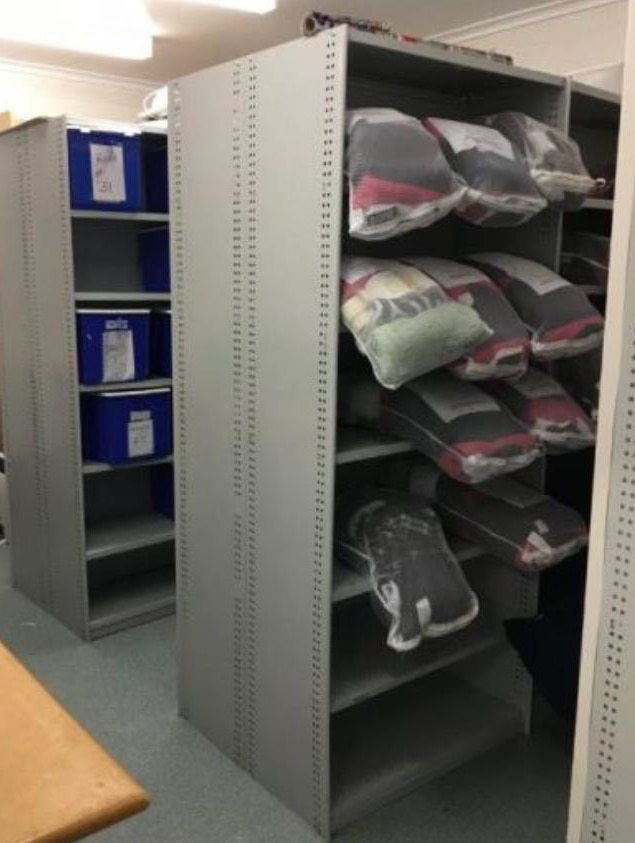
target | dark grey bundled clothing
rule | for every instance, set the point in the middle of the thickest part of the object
(418, 585)
(467, 433)
(554, 160)
(561, 318)
(513, 522)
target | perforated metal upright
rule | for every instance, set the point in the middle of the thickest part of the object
(257, 188)
(51, 258)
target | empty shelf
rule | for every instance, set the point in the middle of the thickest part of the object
(393, 744)
(121, 296)
(132, 600)
(132, 533)
(136, 216)
(103, 467)
(363, 666)
(149, 383)
(355, 444)
(348, 583)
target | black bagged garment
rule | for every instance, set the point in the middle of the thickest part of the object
(562, 320)
(500, 190)
(465, 431)
(554, 160)
(581, 377)
(543, 406)
(398, 177)
(505, 353)
(418, 586)
(585, 258)
(515, 523)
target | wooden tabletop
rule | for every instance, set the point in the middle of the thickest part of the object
(57, 783)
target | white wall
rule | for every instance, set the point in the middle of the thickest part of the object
(580, 38)
(33, 90)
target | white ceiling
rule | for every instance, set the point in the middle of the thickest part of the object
(193, 35)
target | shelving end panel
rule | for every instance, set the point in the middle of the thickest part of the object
(256, 261)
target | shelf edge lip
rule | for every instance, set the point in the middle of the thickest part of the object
(125, 547)
(126, 386)
(121, 216)
(90, 467)
(161, 608)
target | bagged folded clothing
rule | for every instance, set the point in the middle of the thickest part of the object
(585, 258)
(500, 190)
(513, 522)
(506, 352)
(398, 177)
(554, 160)
(403, 321)
(543, 406)
(418, 585)
(561, 318)
(465, 431)
(581, 377)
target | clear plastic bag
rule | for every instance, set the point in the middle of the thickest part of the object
(398, 177)
(500, 190)
(465, 431)
(544, 407)
(563, 321)
(419, 588)
(517, 524)
(505, 354)
(554, 160)
(403, 321)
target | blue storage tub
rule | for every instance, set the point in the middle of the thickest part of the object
(155, 167)
(105, 170)
(119, 427)
(113, 346)
(162, 483)
(154, 249)
(161, 343)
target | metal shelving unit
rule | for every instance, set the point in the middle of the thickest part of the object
(77, 529)
(260, 681)
(150, 383)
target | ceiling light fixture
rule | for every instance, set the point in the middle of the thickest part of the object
(258, 7)
(119, 28)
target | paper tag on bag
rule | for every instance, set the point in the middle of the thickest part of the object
(118, 356)
(141, 438)
(107, 173)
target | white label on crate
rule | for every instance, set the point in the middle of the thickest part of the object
(140, 438)
(463, 136)
(107, 173)
(118, 356)
(448, 273)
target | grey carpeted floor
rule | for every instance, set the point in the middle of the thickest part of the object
(123, 689)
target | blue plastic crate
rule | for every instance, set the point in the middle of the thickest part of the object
(162, 483)
(155, 168)
(105, 170)
(119, 427)
(154, 249)
(161, 343)
(113, 346)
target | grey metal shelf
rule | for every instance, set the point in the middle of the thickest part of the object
(149, 383)
(124, 296)
(118, 216)
(90, 467)
(598, 204)
(393, 744)
(348, 583)
(132, 600)
(362, 665)
(126, 534)
(356, 444)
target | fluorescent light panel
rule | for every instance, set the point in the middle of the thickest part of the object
(123, 31)
(258, 7)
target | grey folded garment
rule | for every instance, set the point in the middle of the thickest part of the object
(398, 177)
(554, 160)
(543, 406)
(519, 525)
(585, 258)
(505, 353)
(562, 320)
(402, 320)
(418, 586)
(500, 190)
